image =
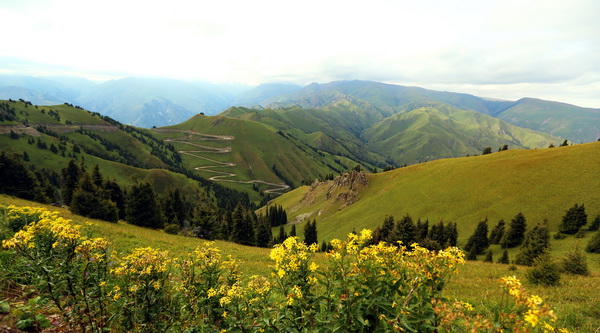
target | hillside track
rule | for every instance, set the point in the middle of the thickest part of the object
(193, 137)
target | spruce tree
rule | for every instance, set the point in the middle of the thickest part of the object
(310, 233)
(70, 181)
(293, 231)
(544, 271)
(497, 233)
(536, 242)
(593, 246)
(243, 228)
(504, 258)
(472, 254)
(489, 256)
(405, 231)
(595, 225)
(478, 242)
(143, 208)
(451, 231)
(88, 200)
(387, 228)
(15, 178)
(574, 218)
(575, 262)
(116, 195)
(421, 230)
(282, 235)
(515, 233)
(263, 233)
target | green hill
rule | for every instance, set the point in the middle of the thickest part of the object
(542, 184)
(441, 131)
(53, 135)
(241, 152)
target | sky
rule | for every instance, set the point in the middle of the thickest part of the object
(501, 49)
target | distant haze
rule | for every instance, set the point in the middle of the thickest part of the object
(500, 49)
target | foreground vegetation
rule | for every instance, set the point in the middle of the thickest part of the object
(343, 287)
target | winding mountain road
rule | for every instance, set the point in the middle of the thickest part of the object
(191, 139)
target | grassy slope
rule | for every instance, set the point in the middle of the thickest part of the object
(576, 307)
(540, 183)
(568, 121)
(255, 149)
(162, 180)
(441, 131)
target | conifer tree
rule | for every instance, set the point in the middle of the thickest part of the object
(116, 195)
(575, 262)
(310, 233)
(472, 254)
(405, 231)
(16, 179)
(70, 181)
(536, 242)
(282, 235)
(142, 207)
(387, 229)
(504, 258)
(544, 271)
(263, 233)
(478, 241)
(421, 230)
(497, 233)
(97, 177)
(88, 200)
(515, 233)
(451, 231)
(574, 218)
(293, 231)
(489, 256)
(243, 228)
(174, 207)
(595, 225)
(593, 246)
(437, 233)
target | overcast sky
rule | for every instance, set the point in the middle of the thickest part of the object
(503, 49)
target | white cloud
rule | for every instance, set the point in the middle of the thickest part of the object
(549, 46)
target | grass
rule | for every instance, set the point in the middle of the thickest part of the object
(575, 302)
(542, 184)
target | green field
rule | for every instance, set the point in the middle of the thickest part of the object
(542, 184)
(577, 308)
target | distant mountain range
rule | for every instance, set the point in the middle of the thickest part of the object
(160, 102)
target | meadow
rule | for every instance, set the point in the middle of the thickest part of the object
(574, 302)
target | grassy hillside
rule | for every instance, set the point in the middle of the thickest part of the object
(441, 131)
(125, 154)
(542, 184)
(565, 120)
(576, 307)
(236, 150)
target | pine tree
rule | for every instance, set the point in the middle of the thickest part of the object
(489, 256)
(504, 258)
(593, 246)
(116, 195)
(25, 156)
(544, 271)
(515, 233)
(574, 218)
(595, 225)
(421, 230)
(282, 236)
(536, 242)
(174, 207)
(88, 200)
(97, 177)
(387, 228)
(478, 241)
(575, 262)
(310, 233)
(263, 233)
(16, 179)
(486, 150)
(142, 207)
(243, 229)
(70, 181)
(293, 231)
(405, 231)
(451, 231)
(497, 233)
(472, 254)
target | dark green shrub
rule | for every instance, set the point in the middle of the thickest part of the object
(575, 263)
(544, 271)
(593, 246)
(172, 229)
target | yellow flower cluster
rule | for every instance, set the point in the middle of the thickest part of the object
(144, 261)
(44, 226)
(291, 255)
(534, 311)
